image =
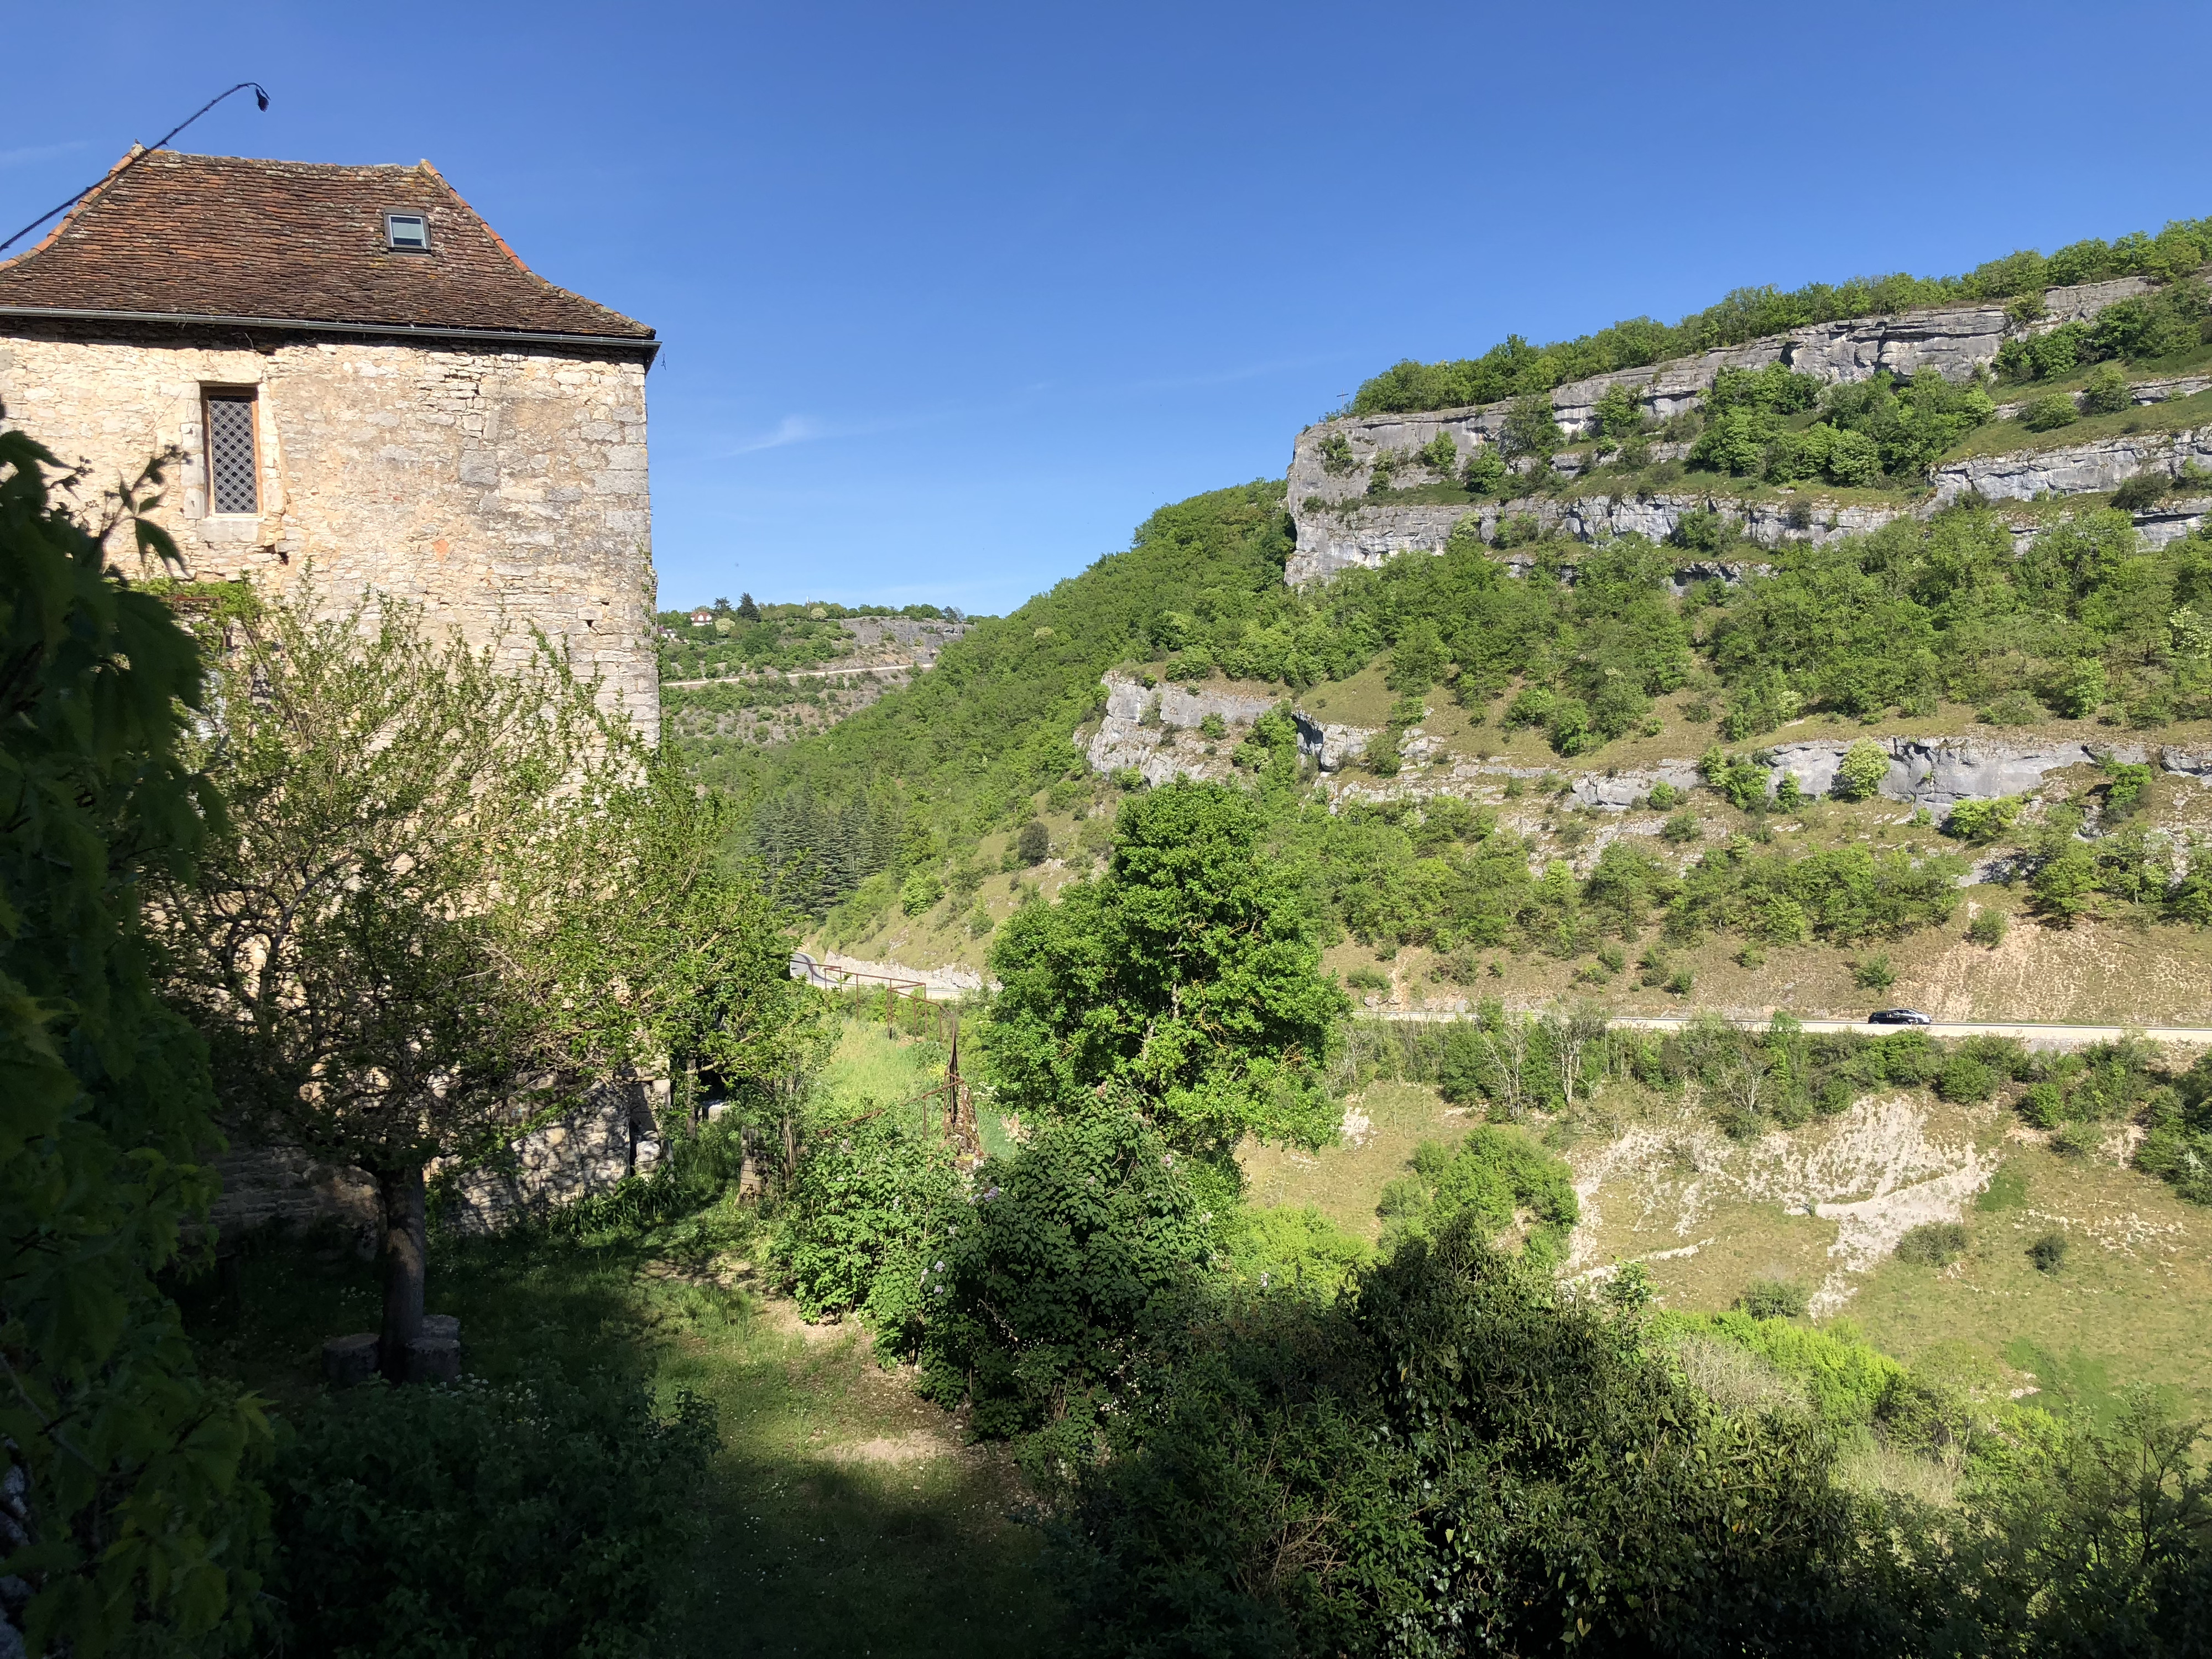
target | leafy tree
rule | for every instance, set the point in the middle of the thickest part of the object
(131, 1522)
(1860, 771)
(1531, 428)
(1071, 1274)
(2050, 412)
(451, 899)
(1460, 1455)
(1188, 975)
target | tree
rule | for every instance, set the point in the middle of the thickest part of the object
(129, 1515)
(454, 898)
(1862, 769)
(1186, 976)
(1530, 428)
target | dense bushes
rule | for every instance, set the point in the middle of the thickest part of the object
(1492, 1176)
(1076, 1263)
(1462, 1453)
(860, 1223)
(2170, 321)
(1516, 368)
(513, 1521)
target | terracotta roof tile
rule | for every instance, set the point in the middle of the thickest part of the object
(217, 235)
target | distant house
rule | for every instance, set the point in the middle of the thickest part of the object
(358, 377)
(701, 617)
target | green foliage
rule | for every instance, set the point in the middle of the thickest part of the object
(1074, 1267)
(136, 1526)
(1461, 1449)
(1531, 429)
(864, 1218)
(1966, 1080)
(1188, 975)
(1032, 843)
(1515, 367)
(1840, 895)
(1772, 1298)
(2050, 412)
(1933, 1245)
(1300, 1250)
(1873, 973)
(2107, 392)
(2048, 1252)
(452, 892)
(1494, 1176)
(920, 892)
(1862, 769)
(508, 1520)
(1981, 821)
(1742, 780)
(1987, 928)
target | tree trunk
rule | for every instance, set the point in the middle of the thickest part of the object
(406, 1247)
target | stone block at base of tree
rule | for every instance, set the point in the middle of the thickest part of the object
(434, 1359)
(350, 1359)
(447, 1326)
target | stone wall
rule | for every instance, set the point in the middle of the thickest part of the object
(499, 489)
(615, 1132)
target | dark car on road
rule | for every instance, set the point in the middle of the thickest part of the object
(1898, 1017)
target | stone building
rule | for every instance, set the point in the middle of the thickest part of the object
(355, 376)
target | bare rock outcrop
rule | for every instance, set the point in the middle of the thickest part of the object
(2079, 468)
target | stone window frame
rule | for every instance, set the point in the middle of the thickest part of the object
(392, 246)
(251, 396)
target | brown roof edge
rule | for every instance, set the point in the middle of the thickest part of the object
(645, 344)
(424, 166)
(78, 205)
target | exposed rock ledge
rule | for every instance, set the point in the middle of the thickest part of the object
(2022, 475)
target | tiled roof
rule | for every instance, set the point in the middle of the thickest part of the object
(217, 235)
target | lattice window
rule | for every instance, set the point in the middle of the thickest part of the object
(232, 485)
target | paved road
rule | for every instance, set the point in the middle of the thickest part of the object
(2028, 1031)
(795, 674)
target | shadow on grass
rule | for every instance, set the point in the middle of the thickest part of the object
(840, 1516)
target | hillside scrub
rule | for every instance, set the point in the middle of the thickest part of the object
(1515, 368)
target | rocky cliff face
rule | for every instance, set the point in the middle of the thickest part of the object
(2074, 469)
(1338, 529)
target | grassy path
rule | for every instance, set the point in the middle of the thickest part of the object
(843, 1515)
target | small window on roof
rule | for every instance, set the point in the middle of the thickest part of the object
(407, 233)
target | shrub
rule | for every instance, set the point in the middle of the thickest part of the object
(1933, 1245)
(2107, 392)
(1862, 769)
(1492, 1176)
(1383, 753)
(1033, 842)
(1681, 982)
(1486, 472)
(1965, 1081)
(1873, 974)
(508, 1520)
(866, 1205)
(2140, 493)
(2044, 1105)
(1074, 1263)
(2048, 1252)
(1664, 797)
(1774, 1299)
(1530, 428)
(920, 891)
(1981, 821)
(1681, 828)
(1211, 728)
(2050, 412)
(1291, 1249)
(1988, 928)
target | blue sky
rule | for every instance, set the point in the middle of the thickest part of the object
(955, 294)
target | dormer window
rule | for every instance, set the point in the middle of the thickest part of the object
(407, 233)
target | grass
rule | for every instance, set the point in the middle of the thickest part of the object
(2009, 437)
(1708, 1216)
(841, 1516)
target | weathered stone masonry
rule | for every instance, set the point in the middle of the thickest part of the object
(499, 489)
